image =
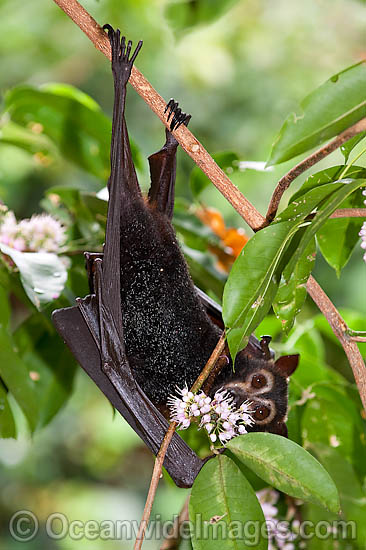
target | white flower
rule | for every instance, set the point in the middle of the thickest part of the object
(221, 420)
(40, 233)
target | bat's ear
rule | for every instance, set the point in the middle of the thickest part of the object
(287, 364)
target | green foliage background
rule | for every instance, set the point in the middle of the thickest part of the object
(239, 68)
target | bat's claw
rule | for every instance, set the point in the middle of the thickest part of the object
(122, 60)
(178, 117)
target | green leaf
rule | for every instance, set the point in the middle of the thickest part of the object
(13, 134)
(327, 111)
(287, 467)
(71, 119)
(44, 352)
(325, 210)
(183, 15)
(347, 147)
(85, 210)
(292, 293)
(199, 181)
(16, 377)
(352, 495)
(254, 278)
(354, 319)
(221, 503)
(329, 175)
(43, 274)
(7, 424)
(332, 419)
(253, 282)
(338, 237)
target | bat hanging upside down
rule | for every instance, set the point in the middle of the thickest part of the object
(145, 328)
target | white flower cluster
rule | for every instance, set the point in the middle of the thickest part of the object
(280, 534)
(219, 416)
(40, 233)
(362, 233)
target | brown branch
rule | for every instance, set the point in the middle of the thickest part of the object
(309, 161)
(171, 541)
(247, 211)
(158, 466)
(349, 213)
(190, 144)
(340, 329)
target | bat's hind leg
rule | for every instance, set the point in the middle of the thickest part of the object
(163, 163)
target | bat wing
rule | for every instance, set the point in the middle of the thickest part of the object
(82, 338)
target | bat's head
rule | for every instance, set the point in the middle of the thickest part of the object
(263, 381)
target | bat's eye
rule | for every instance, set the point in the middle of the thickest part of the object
(261, 412)
(259, 381)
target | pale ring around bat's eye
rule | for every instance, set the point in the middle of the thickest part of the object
(261, 412)
(259, 381)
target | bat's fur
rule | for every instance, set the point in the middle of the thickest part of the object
(168, 334)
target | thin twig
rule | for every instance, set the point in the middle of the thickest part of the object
(340, 329)
(156, 475)
(220, 346)
(187, 140)
(357, 338)
(158, 466)
(171, 541)
(247, 211)
(349, 213)
(309, 161)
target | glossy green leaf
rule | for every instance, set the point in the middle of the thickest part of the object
(327, 111)
(338, 237)
(199, 181)
(348, 186)
(292, 293)
(253, 282)
(72, 120)
(254, 278)
(287, 467)
(43, 274)
(347, 147)
(183, 15)
(329, 175)
(221, 503)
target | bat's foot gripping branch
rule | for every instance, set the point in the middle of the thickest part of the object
(178, 117)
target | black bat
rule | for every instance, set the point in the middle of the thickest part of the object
(145, 329)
